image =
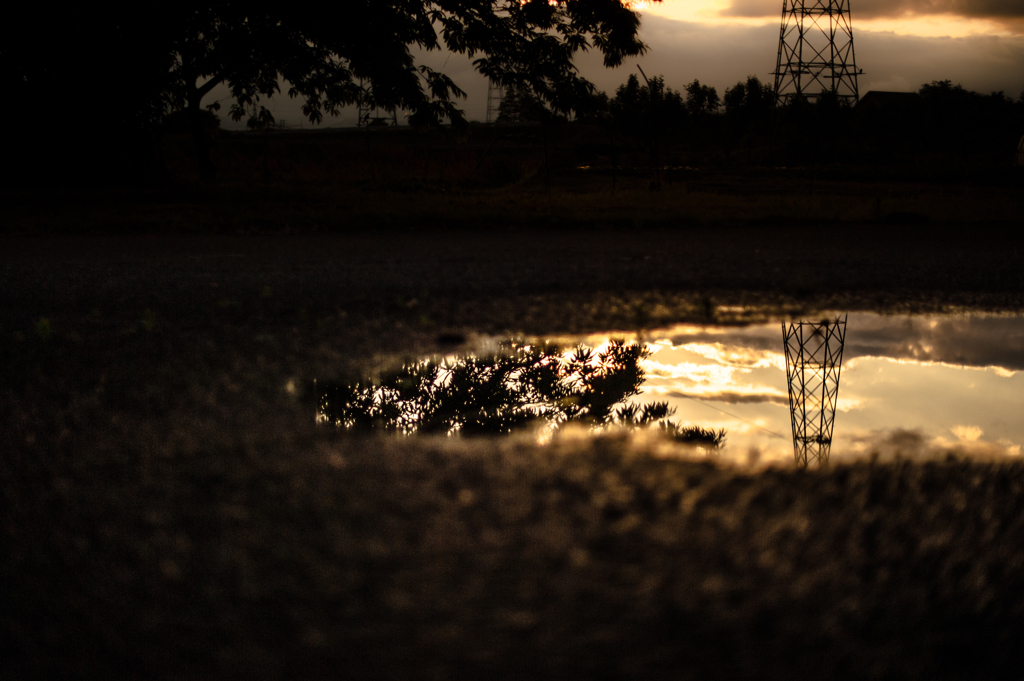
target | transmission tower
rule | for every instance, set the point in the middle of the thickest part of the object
(495, 97)
(814, 358)
(816, 51)
(371, 115)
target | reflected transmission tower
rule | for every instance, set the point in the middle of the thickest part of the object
(814, 358)
(816, 51)
(495, 97)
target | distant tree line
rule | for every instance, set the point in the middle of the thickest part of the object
(746, 126)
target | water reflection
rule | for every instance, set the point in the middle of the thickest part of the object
(521, 386)
(814, 359)
(913, 385)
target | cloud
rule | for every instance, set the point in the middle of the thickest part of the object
(733, 397)
(915, 445)
(872, 9)
(967, 433)
(975, 341)
(966, 340)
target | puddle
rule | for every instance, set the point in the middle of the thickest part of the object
(919, 386)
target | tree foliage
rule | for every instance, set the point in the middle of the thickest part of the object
(961, 121)
(521, 105)
(701, 100)
(750, 100)
(647, 112)
(83, 87)
(330, 55)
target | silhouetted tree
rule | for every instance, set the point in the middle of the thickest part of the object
(749, 108)
(82, 87)
(943, 94)
(1018, 108)
(749, 101)
(337, 55)
(701, 99)
(523, 106)
(330, 55)
(647, 112)
(594, 108)
(625, 107)
(830, 109)
(960, 121)
(177, 122)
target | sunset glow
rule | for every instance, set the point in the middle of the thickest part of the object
(924, 25)
(941, 382)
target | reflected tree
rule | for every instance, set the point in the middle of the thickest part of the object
(521, 386)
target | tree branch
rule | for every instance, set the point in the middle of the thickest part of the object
(205, 88)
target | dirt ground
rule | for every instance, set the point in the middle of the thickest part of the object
(170, 509)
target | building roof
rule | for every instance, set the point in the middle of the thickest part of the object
(879, 99)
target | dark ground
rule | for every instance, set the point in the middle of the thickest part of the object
(169, 509)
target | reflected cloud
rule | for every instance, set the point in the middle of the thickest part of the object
(970, 341)
(752, 358)
(734, 396)
(955, 379)
(967, 433)
(848, 404)
(967, 341)
(897, 443)
(698, 373)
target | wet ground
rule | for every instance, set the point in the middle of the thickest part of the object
(171, 509)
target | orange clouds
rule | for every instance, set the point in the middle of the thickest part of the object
(868, 9)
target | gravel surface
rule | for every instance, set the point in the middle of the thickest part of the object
(170, 510)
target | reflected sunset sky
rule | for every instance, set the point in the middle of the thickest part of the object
(920, 384)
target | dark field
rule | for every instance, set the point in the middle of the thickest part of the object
(171, 511)
(351, 181)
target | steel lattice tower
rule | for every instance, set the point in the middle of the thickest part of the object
(814, 357)
(495, 97)
(816, 51)
(372, 115)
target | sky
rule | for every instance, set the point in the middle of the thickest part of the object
(900, 45)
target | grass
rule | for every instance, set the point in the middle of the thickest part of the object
(278, 556)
